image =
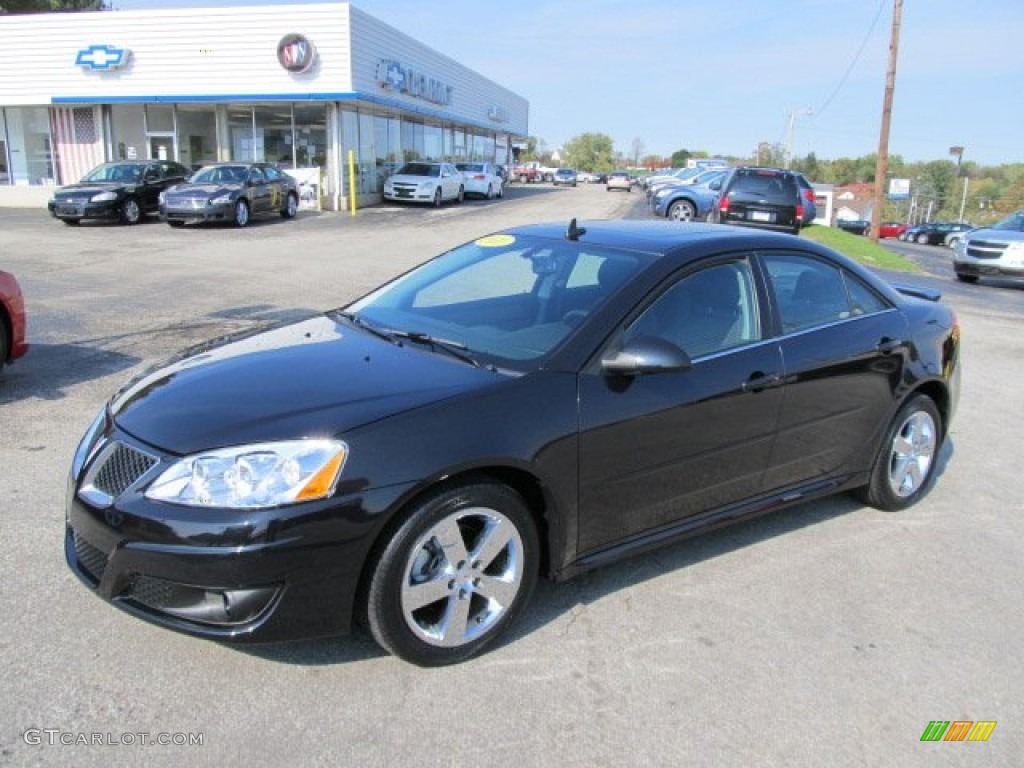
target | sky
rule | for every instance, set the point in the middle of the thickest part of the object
(723, 76)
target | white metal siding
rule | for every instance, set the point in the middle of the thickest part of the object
(225, 54)
(197, 52)
(473, 94)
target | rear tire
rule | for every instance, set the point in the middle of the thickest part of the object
(905, 465)
(4, 333)
(454, 576)
(965, 278)
(922, 239)
(291, 207)
(72, 222)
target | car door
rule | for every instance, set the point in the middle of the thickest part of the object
(657, 448)
(260, 191)
(844, 351)
(451, 180)
(150, 186)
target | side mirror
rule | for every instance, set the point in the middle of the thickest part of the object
(645, 354)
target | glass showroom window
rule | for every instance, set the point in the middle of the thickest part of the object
(197, 135)
(310, 136)
(433, 145)
(273, 133)
(388, 146)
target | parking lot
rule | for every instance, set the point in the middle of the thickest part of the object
(829, 634)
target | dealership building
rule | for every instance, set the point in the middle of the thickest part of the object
(324, 89)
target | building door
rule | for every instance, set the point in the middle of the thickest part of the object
(162, 146)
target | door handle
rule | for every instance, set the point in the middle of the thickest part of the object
(760, 381)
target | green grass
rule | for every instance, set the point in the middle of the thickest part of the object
(859, 248)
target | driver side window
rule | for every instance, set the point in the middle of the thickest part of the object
(706, 312)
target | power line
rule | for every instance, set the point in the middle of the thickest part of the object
(853, 62)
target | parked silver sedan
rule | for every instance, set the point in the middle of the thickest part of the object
(997, 250)
(420, 182)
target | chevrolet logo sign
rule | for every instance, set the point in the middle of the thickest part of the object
(102, 58)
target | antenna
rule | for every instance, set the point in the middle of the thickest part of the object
(573, 232)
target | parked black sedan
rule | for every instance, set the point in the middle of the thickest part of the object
(231, 192)
(538, 401)
(123, 191)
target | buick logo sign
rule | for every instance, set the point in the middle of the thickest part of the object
(296, 53)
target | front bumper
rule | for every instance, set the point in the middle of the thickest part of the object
(988, 267)
(60, 209)
(267, 575)
(198, 213)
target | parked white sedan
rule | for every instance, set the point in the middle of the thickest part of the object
(432, 183)
(481, 179)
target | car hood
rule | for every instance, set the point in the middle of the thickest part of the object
(203, 191)
(319, 377)
(408, 178)
(996, 235)
(89, 188)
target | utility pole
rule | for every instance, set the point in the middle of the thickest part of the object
(882, 168)
(789, 132)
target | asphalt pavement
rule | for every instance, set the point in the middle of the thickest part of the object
(828, 634)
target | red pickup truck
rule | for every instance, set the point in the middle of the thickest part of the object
(526, 173)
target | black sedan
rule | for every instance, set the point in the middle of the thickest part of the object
(538, 401)
(123, 191)
(854, 226)
(231, 192)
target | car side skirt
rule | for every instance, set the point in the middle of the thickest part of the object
(711, 520)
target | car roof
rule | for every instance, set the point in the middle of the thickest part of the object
(659, 237)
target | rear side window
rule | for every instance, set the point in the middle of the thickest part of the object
(810, 293)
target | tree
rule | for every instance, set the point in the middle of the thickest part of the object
(590, 152)
(48, 6)
(680, 157)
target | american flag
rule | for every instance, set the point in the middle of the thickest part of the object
(77, 143)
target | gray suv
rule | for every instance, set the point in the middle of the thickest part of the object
(995, 250)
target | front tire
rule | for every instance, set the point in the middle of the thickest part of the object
(922, 239)
(131, 212)
(241, 213)
(454, 575)
(437, 197)
(965, 278)
(905, 465)
(682, 210)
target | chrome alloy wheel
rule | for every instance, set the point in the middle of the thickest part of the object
(461, 576)
(912, 454)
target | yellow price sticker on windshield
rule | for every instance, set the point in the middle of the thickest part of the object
(495, 241)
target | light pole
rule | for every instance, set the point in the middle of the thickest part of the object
(959, 152)
(789, 132)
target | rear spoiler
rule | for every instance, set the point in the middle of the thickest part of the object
(917, 291)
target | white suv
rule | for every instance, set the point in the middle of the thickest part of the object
(995, 250)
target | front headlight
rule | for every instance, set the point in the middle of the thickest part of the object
(88, 442)
(253, 476)
(103, 197)
(162, 197)
(222, 200)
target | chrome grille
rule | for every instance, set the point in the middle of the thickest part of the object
(984, 249)
(90, 559)
(121, 467)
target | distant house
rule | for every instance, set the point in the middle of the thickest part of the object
(854, 201)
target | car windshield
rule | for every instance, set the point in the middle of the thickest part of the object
(507, 300)
(1015, 221)
(420, 169)
(115, 172)
(471, 167)
(221, 174)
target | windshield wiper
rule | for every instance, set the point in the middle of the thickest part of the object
(454, 348)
